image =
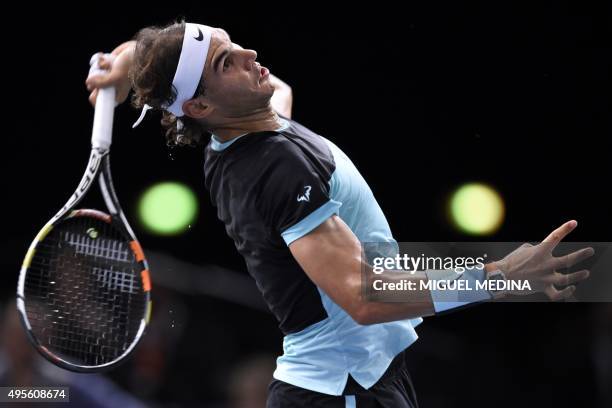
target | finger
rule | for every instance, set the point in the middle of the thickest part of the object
(93, 96)
(557, 235)
(105, 63)
(569, 260)
(560, 279)
(103, 80)
(556, 295)
(99, 81)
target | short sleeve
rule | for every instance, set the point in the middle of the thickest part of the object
(294, 197)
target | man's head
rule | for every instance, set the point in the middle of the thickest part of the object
(233, 85)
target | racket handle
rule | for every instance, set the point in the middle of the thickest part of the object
(102, 134)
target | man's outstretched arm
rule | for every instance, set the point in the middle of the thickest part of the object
(331, 255)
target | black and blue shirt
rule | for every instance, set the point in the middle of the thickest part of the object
(271, 188)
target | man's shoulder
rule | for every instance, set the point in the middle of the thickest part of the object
(288, 150)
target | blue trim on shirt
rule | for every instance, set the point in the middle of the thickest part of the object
(218, 145)
(312, 221)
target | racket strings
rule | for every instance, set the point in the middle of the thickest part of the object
(100, 247)
(84, 294)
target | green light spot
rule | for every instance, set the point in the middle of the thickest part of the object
(168, 208)
(477, 209)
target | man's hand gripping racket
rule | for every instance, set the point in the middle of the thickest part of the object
(84, 289)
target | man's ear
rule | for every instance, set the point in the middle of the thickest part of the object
(197, 108)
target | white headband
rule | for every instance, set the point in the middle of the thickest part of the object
(190, 68)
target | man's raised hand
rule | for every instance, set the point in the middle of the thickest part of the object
(537, 265)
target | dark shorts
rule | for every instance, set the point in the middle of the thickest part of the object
(393, 390)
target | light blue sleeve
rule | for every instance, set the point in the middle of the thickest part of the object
(312, 221)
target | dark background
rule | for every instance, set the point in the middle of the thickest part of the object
(422, 98)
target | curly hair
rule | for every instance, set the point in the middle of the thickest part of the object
(156, 57)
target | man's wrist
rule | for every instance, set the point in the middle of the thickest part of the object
(493, 273)
(490, 267)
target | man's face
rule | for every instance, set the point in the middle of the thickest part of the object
(235, 83)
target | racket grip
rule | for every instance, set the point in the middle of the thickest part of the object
(102, 133)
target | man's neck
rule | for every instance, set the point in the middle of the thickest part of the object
(259, 122)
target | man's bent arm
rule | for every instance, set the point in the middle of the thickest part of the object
(331, 256)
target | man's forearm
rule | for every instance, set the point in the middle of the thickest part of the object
(390, 305)
(379, 308)
(334, 259)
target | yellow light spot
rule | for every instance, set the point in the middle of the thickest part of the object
(477, 209)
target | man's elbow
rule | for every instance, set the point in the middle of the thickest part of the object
(375, 312)
(364, 315)
(282, 102)
(283, 88)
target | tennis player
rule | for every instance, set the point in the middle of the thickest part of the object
(297, 209)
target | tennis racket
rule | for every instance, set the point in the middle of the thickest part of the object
(84, 289)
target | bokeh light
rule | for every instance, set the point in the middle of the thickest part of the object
(167, 208)
(477, 209)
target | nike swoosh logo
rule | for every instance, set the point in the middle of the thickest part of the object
(200, 36)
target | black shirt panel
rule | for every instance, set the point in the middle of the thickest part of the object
(263, 184)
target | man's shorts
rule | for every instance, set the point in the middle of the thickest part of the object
(393, 390)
